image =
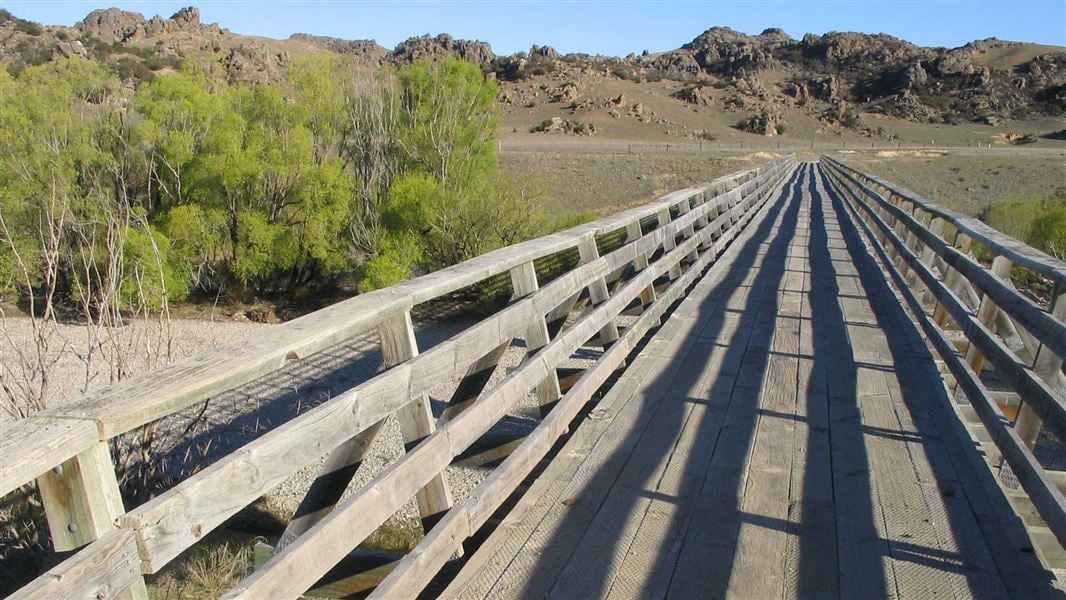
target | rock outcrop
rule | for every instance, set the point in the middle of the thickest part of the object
(115, 25)
(425, 46)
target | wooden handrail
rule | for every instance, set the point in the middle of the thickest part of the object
(1001, 243)
(169, 389)
(889, 228)
(76, 453)
(300, 564)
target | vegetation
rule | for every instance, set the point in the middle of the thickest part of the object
(1040, 223)
(192, 183)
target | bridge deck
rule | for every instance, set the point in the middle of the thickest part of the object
(784, 434)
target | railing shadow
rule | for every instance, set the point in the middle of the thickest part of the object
(662, 514)
(577, 559)
(927, 405)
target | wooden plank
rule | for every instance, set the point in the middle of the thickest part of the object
(398, 344)
(31, 446)
(473, 383)
(106, 568)
(163, 391)
(326, 490)
(81, 498)
(524, 282)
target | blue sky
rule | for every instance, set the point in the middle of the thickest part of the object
(605, 27)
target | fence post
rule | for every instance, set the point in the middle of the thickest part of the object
(987, 312)
(598, 292)
(82, 501)
(1047, 365)
(524, 282)
(634, 233)
(398, 344)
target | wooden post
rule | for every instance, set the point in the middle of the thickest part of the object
(1048, 366)
(987, 312)
(524, 282)
(962, 242)
(634, 233)
(598, 292)
(398, 344)
(82, 501)
(669, 242)
(708, 241)
(936, 227)
(688, 230)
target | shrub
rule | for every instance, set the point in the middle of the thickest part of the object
(28, 27)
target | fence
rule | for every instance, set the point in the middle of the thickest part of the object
(975, 318)
(667, 244)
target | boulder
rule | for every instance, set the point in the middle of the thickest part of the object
(699, 95)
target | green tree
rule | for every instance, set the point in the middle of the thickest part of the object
(246, 158)
(450, 118)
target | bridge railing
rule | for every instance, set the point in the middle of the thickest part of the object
(66, 450)
(939, 259)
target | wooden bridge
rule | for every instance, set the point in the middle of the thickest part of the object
(796, 381)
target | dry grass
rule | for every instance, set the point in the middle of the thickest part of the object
(969, 180)
(606, 182)
(209, 570)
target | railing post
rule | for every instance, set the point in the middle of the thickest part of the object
(398, 344)
(669, 242)
(82, 501)
(961, 242)
(1048, 366)
(640, 262)
(987, 312)
(524, 282)
(598, 292)
(688, 230)
(936, 227)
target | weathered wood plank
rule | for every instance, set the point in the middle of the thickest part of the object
(106, 568)
(31, 446)
(398, 344)
(81, 498)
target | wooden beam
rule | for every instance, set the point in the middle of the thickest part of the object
(326, 490)
(598, 293)
(640, 262)
(1048, 366)
(524, 282)
(107, 568)
(398, 344)
(81, 503)
(988, 311)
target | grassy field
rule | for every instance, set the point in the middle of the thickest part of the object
(605, 182)
(969, 180)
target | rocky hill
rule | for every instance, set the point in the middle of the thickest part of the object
(838, 78)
